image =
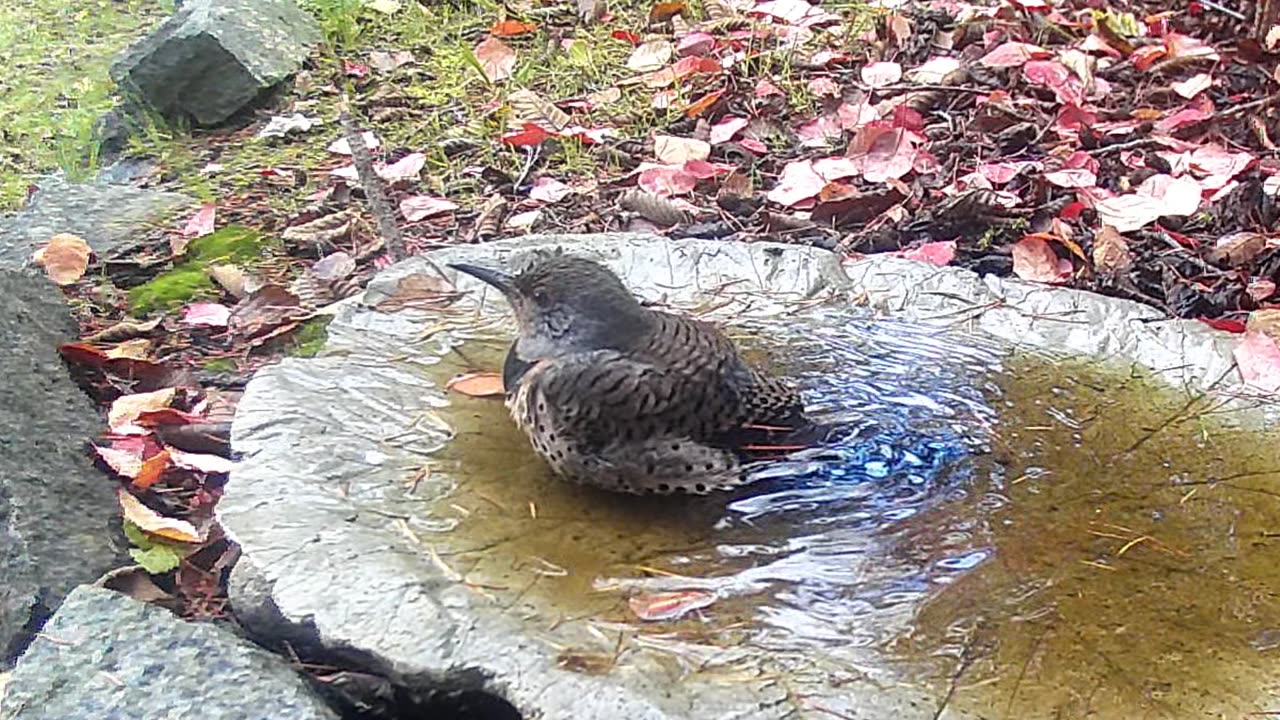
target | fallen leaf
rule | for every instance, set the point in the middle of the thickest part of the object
(1111, 255)
(135, 349)
(1013, 54)
(1034, 260)
(724, 130)
(153, 522)
(935, 71)
(334, 266)
(1072, 178)
(530, 107)
(383, 61)
(677, 150)
(386, 7)
(64, 258)
(799, 182)
(151, 470)
(1193, 86)
(206, 314)
(1259, 360)
(1159, 195)
(938, 253)
(664, 11)
(282, 125)
(650, 56)
(1236, 249)
(477, 384)
(548, 190)
(696, 43)
(201, 223)
(511, 28)
(881, 74)
(126, 408)
(666, 180)
(406, 168)
(496, 59)
(342, 147)
(125, 463)
(669, 605)
(205, 463)
(418, 207)
(355, 69)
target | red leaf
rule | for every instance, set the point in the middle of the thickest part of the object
(1227, 324)
(625, 36)
(206, 314)
(799, 182)
(418, 207)
(531, 135)
(938, 253)
(666, 181)
(1013, 54)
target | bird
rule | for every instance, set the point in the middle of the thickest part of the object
(624, 397)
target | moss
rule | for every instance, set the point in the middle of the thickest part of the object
(220, 365)
(234, 244)
(310, 337)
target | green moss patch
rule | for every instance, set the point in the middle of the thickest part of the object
(233, 245)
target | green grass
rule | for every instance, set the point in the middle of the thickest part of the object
(55, 84)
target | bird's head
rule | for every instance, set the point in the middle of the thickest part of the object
(565, 304)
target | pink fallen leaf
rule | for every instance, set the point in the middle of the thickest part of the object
(1035, 260)
(1259, 361)
(548, 190)
(406, 168)
(764, 88)
(1159, 195)
(1057, 77)
(1072, 178)
(1189, 115)
(201, 223)
(881, 74)
(799, 182)
(1013, 54)
(1185, 46)
(334, 266)
(758, 147)
(724, 130)
(496, 59)
(206, 314)
(941, 252)
(666, 180)
(793, 12)
(1002, 172)
(885, 153)
(934, 71)
(64, 258)
(126, 409)
(836, 168)
(824, 87)
(696, 43)
(418, 207)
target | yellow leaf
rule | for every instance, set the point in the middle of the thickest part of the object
(155, 523)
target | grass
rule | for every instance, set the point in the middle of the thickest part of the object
(55, 84)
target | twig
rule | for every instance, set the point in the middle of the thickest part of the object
(1224, 10)
(374, 189)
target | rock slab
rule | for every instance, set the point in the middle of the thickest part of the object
(56, 510)
(109, 657)
(212, 57)
(104, 214)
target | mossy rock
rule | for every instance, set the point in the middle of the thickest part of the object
(310, 337)
(189, 280)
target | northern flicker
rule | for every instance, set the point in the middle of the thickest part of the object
(617, 395)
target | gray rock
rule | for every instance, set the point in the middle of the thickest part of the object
(391, 518)
(104, 214)
(57, 512)
(212, 57)
(108, 657)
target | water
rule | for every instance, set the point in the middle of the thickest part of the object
(1023, 537)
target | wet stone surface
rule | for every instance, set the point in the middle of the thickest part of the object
(994, 534)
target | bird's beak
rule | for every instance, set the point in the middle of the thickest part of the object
(496, 278)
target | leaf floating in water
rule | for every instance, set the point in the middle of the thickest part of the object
(477, 384)
(669, 605)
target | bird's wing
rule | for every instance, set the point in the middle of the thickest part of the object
(605, 396)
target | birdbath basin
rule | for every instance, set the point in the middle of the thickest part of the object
(1026, 518)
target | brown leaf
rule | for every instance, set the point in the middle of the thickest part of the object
(1237, 248)
(64, 258)
(1034, 259)
(323, 230)
(1266, 322)
(265, 309)
(155, 523)
(651, 207)
(1111, 255)
(496, 59)
(230, 278)
(136, 583)
(477, 384)
(137, 349)
(420, 291)
(511, 28)
(124, 330)
(664, 11)
(669, 605)
(677, 150)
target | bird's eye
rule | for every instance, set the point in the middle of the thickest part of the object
(540, 296)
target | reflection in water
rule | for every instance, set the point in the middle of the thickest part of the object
(996, 530)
